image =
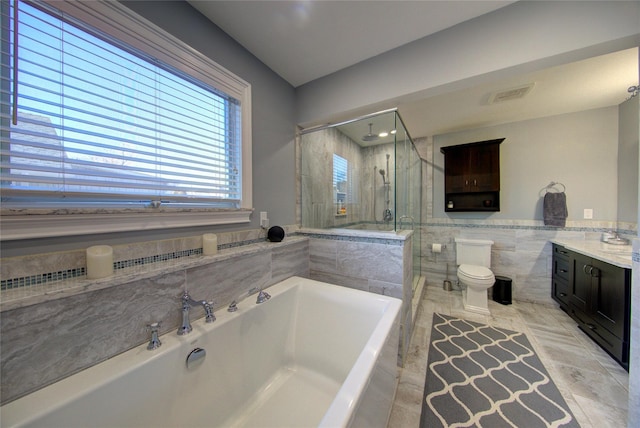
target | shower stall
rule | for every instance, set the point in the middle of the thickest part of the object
(362, 174)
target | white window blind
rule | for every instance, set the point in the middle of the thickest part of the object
(101, 121)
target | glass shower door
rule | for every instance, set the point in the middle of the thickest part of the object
(408, 178)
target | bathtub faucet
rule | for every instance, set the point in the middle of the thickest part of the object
(263, 296)
(188, 303)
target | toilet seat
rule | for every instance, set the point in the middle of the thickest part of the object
(475, 272)
(476, 275)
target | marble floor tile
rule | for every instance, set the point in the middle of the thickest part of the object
(594, 386)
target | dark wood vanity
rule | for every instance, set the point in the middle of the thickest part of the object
(596, 295)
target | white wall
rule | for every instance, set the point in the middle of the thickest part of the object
(524, 36)
(628, 161)
(579, 150)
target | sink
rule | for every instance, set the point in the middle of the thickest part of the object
(618, 241)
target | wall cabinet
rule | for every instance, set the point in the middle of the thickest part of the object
(597, 296)
(472, 176)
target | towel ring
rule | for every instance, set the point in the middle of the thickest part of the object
(552, 186)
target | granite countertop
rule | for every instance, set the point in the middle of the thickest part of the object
(617, 255)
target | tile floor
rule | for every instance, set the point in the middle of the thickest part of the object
(594, 386)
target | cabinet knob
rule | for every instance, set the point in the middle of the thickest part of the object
(563, 294)
(591, 326)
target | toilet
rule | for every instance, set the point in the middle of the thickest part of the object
(473, 257)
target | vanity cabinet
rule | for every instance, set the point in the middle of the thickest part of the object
(596, 295)
(472, 176)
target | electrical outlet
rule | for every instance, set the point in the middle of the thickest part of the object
(588, 213)
(264, 220)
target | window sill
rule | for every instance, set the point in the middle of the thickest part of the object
(16, 224)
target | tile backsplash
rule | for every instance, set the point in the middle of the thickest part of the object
(38, 274)
(66, 328)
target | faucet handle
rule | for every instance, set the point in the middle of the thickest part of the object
(208, 309)
(154, 328)
(263, 296)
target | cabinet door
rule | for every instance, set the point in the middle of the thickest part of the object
(484, 168)
(609, 305)
(456, 165)
(581, 285)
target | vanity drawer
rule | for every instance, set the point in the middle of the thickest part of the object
(560, 252)
(561, 291)
(561, 268)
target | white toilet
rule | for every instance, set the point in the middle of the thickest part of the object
(473, 257)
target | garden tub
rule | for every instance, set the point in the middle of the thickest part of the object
(315, 354)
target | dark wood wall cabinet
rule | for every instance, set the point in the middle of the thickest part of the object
(472, 176)
(597, 296)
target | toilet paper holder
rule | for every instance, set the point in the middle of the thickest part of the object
(437, 248)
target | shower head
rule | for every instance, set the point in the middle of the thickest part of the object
(381, 172)
(370, 136)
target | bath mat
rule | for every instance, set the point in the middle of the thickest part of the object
(480, 376)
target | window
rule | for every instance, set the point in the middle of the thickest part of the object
(90, 120)
(340, 184)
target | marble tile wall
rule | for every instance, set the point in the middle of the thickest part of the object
(520, 252)
(316, 177)
(317, 209)
(51, 336)
(377, 264)
(33, 275)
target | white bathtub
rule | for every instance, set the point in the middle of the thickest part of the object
(315, 354)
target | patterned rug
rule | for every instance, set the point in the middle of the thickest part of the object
(480, 376)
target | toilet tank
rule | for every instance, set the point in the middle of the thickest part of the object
(473, 252)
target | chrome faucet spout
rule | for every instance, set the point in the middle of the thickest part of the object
(187, 304)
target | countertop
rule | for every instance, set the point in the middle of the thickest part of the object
(617, 255)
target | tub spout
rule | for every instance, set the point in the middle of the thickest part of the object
(187, 304)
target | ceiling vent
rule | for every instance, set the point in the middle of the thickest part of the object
(510, 94)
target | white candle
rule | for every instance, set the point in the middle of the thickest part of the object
(209, 244)
(99, 261)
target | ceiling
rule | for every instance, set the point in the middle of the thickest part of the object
(305, 40)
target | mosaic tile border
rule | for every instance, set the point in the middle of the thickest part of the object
(41, 279)
(51, 277)
(54, 277)
(158, 258)
(527, 227)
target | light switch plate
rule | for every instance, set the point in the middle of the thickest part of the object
(588, 213)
